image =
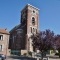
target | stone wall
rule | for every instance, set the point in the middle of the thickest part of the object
(53, 59)
(23, 52)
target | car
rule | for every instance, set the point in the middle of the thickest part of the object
(38, 55)
(2, 57)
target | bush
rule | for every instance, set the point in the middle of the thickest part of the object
(57, 54)
(25, 54)
(30, 53)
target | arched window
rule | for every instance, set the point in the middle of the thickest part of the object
(33, 20)
(36, 31)
(31, 29)
(33, 11)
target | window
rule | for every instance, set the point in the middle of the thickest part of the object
(33, 20)
(31, 29)
(13, 39)
(33, 11)
(1, 37)
(0, 47)
(36, 30)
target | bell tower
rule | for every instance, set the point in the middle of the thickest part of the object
(29, 19)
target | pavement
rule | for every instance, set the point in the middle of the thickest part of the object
(19, 58)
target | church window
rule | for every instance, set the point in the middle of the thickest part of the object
(33, 11)
(36, 30)
(33, 20)
(31, 29)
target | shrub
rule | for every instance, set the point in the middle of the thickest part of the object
(25, 54)
(30, 53)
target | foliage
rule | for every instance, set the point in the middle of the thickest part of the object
(25, 54)
(30, 53)
(57, 43)
(43, 40)
(46, 40)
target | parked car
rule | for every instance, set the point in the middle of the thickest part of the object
(2, 57)
(38, 55)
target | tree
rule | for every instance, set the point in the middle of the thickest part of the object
(57, 43)
(43, 41)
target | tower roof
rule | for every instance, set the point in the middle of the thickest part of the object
(32, 6)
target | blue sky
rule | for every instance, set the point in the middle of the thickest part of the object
(49, 14)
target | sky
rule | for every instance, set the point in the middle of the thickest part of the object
(49, 13)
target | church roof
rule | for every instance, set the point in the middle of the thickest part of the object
(16, 27)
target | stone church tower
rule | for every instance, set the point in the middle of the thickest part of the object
(20, 35)
(29, 20)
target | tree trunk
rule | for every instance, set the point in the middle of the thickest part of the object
(42, 55)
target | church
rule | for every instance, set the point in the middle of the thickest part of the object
(20, 35)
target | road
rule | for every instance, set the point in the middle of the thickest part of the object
(19, 58)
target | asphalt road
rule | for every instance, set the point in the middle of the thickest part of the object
(19, 58)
